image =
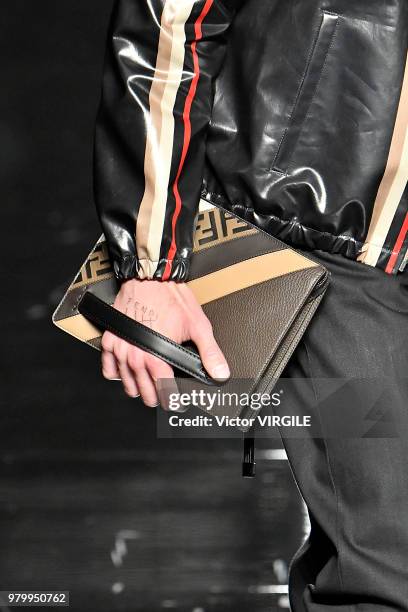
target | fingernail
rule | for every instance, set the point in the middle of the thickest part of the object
(221, 371)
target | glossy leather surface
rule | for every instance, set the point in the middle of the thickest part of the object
(303, 118)
(291, 124)
(162, 57)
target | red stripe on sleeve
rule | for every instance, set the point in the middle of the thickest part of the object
(187, 134)
(397, 246)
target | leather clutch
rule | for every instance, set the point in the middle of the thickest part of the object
(259, 294)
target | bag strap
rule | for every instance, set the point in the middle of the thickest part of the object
(108, 318)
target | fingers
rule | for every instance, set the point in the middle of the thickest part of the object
(129, 383)
(163, 376)
(211, 355)
(108, 361)
(141, 374)
(158, 369)
(120, 351)
(115, 365)
(137, 365)
(147, 389)
(109, 366)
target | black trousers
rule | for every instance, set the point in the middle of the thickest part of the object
(355, 488)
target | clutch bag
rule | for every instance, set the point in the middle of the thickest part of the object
(259, 294)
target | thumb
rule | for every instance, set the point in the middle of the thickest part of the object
(211, 355)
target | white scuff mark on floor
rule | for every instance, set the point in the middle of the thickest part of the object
(35, 312)
(273, 454)
(117, 587)
(120, 550)
(283, 602)
(280, 568)
(269, 589)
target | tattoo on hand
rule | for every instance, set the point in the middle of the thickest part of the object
(144, 314)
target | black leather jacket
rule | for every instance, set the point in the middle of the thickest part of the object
(291, 113)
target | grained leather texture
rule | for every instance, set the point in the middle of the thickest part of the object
(259, 347)
(250, 344)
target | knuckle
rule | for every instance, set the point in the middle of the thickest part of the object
(158, 369)
(119, 350)
(212, 353)
(142, 379)
(206, 325)
(167, 371)
(153, 363)
(106, 342)
(135, 360)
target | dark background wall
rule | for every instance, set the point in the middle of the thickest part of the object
(51, 62)
(81, 468)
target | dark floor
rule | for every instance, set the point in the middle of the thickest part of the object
(149, 530)
(90, 500)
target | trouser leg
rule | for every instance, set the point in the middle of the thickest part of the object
(356, 489)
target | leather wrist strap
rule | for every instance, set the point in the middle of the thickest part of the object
(108, 318)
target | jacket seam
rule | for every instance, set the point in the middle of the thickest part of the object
(310, 106)
(224, 8)
(297, 97)
(309, 110)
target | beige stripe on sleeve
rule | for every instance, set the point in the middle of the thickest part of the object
(160, 133)
(392, 185)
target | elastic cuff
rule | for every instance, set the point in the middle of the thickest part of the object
(125, 268)
(175, 269)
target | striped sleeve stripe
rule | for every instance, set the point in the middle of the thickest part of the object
(187, 133)
(397, 247)
(404, 261)
(390, 191)
(160, 133)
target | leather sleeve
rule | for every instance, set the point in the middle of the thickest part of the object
(162, 57)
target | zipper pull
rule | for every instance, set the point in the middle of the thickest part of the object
(248, 464)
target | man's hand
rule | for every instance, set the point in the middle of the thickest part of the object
(171, 309)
